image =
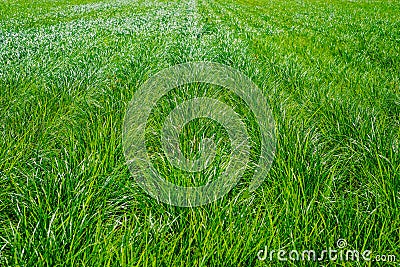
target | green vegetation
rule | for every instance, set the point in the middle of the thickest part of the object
(330, 71)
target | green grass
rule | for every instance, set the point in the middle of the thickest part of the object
(330, 71)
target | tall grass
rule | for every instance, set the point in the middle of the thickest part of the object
(68, 69)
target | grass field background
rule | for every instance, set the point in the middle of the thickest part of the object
(68, 69)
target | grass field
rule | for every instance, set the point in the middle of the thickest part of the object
(329, 70)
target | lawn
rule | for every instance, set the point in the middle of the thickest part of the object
(329, 71)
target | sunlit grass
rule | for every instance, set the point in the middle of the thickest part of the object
(68, 69)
